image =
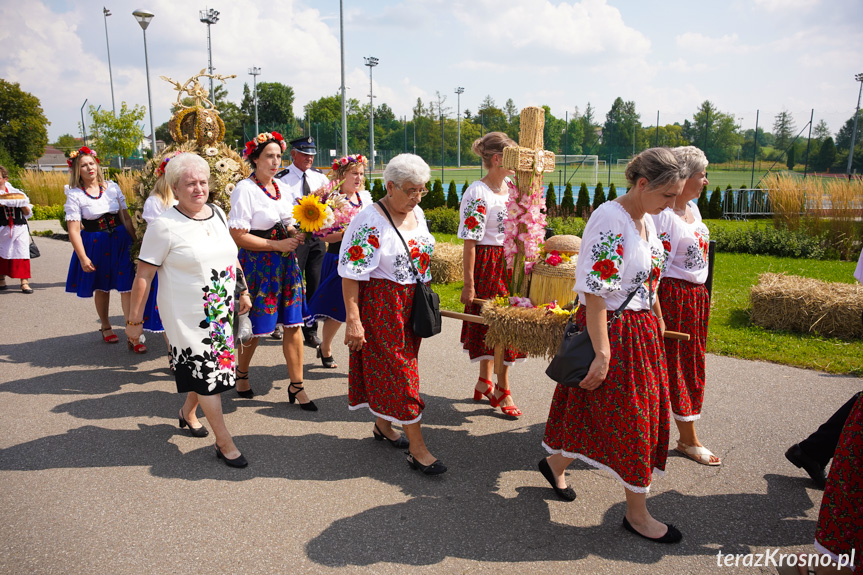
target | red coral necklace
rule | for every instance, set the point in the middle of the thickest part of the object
(278, 195)
(101, 191)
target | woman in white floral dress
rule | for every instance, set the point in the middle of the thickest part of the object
(196, 259)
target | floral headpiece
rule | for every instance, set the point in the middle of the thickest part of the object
(344, 161)
(160, 171)
(263, 139)
(83, 150)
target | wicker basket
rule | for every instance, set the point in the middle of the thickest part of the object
(550, 283)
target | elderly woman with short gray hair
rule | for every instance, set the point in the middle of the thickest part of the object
(378, 284)
(196, 259)
(685, 302)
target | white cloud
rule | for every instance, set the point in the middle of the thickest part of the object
(786, 5)
(699, 43)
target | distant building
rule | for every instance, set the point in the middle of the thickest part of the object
(52, 160)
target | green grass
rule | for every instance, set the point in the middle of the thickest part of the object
(731, 332)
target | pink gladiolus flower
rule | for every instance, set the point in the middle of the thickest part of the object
(528, 267)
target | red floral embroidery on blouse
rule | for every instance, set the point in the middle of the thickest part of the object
(605, 268)
(356, 253)
(424, 260)
(619, 251)
(373, 241)
(471, 223)
(481, 209)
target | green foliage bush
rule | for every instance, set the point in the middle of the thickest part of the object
(767, 240)
(442, 220)
(714, 207)
(435, 198)
(598, 196)
(702, 201)
(612, 192)
(582, 206)
(452, 196)
(567, 206)
(567, 226)
(378, 190)
(49, 212)
(550, 200)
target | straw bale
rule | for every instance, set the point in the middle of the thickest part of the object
(447, 263)
(794, 303)
(534, 332)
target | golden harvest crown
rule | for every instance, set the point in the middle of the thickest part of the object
(200, 121)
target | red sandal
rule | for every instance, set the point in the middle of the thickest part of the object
(138, 348)
(510, 410)
(477, 395)
(109, 338)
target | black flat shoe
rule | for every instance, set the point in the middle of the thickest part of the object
(238, 462)
(798, 457)
(671, 536)
(435, 468)
(327, 362)
(27, 290)
(247, 394)
(567, 493)
(195, 431)
(400, 443)
(292, 397)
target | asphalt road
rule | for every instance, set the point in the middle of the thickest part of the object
(96, 477)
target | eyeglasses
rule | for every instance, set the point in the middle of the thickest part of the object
(421, 192)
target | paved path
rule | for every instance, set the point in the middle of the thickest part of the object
(96, 477)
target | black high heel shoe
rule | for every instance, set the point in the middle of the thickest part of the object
(401, 443)
(195, 431)
(292, 397)
(238, 462)
(247, 394)
(435, 468)
(327, 362)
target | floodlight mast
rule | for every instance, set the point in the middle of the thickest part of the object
(210, 17)
(371, 62)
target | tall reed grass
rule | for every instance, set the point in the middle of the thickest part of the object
(46, 188)
(830, 210)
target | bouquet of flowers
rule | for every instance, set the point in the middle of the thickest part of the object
(325, 211)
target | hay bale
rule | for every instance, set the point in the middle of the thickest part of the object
(536, 332)
(781, 301)
(447, 263)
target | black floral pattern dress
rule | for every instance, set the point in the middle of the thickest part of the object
(197, 273)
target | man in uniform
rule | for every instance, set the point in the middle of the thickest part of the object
(301, 179)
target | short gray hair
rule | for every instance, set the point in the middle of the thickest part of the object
(407, 168)
(183, 163)
(691, 159)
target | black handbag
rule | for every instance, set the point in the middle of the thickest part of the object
(34, 249)
(425, 312)
(575, 354)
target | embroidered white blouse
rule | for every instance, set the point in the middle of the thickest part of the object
(153, 208)
(371, 248)
(482, 215)
(614, 259)
(685, 245)
(80, 206)
(252, 209)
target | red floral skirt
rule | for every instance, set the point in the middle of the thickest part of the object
(18, 269)
(384, 375)
(621, 426)
(840, 521)
(490, 277)
(685, 308)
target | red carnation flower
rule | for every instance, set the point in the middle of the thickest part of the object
(356, 253)
(373, 241)
(481, 209)
(471, 223)
(605, 268)
(619, 250)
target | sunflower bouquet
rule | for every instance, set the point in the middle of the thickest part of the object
(324, 211)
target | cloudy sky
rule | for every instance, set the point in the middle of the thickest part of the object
(667, 56)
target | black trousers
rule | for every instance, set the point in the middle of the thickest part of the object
(821, 445)
(310, 257)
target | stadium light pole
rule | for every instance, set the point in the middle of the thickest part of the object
(106, 13)
(254, 72)
(857, 78)
(459, 91)
(83, 125)
(210, 17)
(371, 62)
(143, 17)
(344, 110)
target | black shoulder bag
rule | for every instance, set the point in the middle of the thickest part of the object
(573, 358)
(425, 312)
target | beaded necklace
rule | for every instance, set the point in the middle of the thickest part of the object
(359, 205)
(278, 195)
(101, 191)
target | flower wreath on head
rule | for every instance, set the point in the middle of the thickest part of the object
(160, 171)
(263, 139)
(344, 161)
(82, 150)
